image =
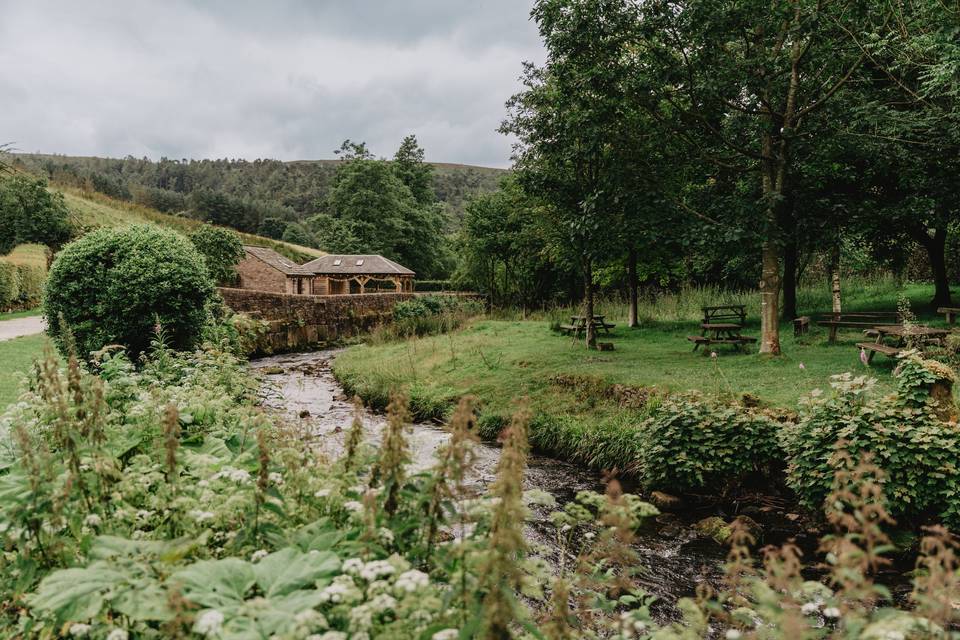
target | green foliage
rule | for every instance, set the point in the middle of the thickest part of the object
(31, 213)
(902, 433)
(433, 314)
(692, 443)
(221, 250)
(113, 286)
(9, 285)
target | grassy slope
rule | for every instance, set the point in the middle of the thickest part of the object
(97, 210)
(17, 356)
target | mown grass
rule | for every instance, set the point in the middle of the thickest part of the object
(30, 254)
(17, 356)
(501, 360)
(26, 313)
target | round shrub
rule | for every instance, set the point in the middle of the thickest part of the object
(689, 443)
(918, 452)
(112, 286)
(221, 249)
(9, 285)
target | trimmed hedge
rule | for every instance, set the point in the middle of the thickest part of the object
(112, 286)
(9, 285)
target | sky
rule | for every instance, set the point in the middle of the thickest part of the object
(250, 79)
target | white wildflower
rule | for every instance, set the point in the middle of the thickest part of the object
(894, 635)
(352, 566)
(412, 580)
(201, 516)
(143, 514)
(809, 608)
(118, 634)
(831, 612)
(733, 634)
(329, 635)
(341, 591)
(385, 535)
(275, 478)
(209, 623)
(376, 569)
(352, 505)
(79, 630)
(259, 555)
(310, 619)
(321, 493)
(446, 634)
(92, 520)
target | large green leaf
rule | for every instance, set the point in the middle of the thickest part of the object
(289, 569)
(145, 602)
(218, 584)
(76, 594)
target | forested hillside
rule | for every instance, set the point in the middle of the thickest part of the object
(290, 191)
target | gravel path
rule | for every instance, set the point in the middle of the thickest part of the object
(22, 327)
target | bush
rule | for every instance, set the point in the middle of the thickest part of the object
(433, 314)
(9, 285)
(918, 452)
(31, 279)
(221, 250)
(690, 442)
(113, 286)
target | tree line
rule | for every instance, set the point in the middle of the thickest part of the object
(732, 140)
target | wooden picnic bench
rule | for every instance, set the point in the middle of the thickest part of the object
(900, 333)
(950, 312)
(579, 323)
(856, 320)
(723, 324)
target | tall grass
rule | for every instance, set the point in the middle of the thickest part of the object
(685, 305)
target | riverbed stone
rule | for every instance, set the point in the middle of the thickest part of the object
(714, 527)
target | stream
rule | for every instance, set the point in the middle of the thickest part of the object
(676, 559)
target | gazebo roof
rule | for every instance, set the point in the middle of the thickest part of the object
(356, 265)
(277, 261)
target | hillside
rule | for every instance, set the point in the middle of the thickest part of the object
(286, 190)
(91, 209)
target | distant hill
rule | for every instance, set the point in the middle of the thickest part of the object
(269, 188)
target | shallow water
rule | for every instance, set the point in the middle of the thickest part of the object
(674, 557)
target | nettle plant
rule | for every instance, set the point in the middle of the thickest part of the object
(902, 432)
(692, 442)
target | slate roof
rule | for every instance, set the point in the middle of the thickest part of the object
(372, 265)
(277, 261)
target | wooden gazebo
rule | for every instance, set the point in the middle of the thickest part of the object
(343, 274)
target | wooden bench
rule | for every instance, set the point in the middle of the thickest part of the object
(856, 320)
(738, 341)
(874, 348)
(801, 325)
(950, 312)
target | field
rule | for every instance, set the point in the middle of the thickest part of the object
(499, 360)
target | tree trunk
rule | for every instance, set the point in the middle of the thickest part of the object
(632, 320)
(936, 250)
(770, 298)
(790, 278)
(588, 298)
(835, 277)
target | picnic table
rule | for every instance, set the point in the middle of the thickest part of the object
(857, 320)
(900, 333)
(579, 323)
(723, 323)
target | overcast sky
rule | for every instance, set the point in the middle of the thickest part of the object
(270, 79)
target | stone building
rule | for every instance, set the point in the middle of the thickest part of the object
(342, 274)
(264, 269)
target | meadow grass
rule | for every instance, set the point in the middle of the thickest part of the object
(17, 356)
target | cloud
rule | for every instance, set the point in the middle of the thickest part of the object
(283, 79)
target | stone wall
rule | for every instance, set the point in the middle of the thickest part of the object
(299, 322)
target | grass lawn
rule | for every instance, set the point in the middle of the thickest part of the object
(502, 360)
(13, 315)
(17, 356)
